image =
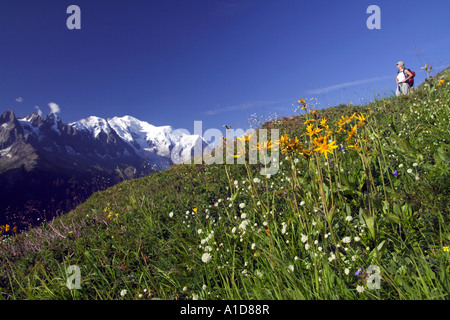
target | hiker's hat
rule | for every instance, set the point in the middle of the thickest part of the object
(401, 63)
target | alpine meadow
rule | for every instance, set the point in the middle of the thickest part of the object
(358, 210)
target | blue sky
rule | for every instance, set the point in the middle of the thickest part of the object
(172, 62)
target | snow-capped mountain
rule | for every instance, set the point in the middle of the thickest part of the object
(43, 159)
(151, 143)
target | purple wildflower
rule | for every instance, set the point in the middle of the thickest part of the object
(395, 173)
(359, 272)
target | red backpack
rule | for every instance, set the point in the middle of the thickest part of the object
(411, 80)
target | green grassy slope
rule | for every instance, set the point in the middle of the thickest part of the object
(317, 229)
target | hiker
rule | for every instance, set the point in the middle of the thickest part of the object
(403, 79)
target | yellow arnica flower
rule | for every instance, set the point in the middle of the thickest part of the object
(302, 101)
(345, 119)
(291, 144)
(282, 141)
(321, 139)
(326, 148)
(361, 119)
(312, 111)
(264, 146)
(245, 138)
(440, 82)
(323, 123)
(355, 146)
(309, 121)
(195, 209)
(304, 107)
(351, 133)
(445, 249)
(310, 131)
(239, 154)
(425, 67)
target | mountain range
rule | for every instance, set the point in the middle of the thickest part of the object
(47, 167)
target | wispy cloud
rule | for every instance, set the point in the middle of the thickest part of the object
(39, 112)
(345, 85)
(54, 108)
(19, 99)
(243, 107)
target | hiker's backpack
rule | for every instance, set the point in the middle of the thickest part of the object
(411, 80)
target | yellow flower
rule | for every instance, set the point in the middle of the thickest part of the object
(323, 123)
(355, 146)
(351, 133)
(425, 67)
(302, 101)
(361, 119)
(195, 210)
(312, 111)
(239, 154)
(445, 249)
(310, 131)
(282, 141)
(309, 121)
(304, 107)
(256, 254)
(345, 119)
(245, 138)
(326, 148)
(320, 139)
(264, 146)
(291, 144)
(440, 82)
